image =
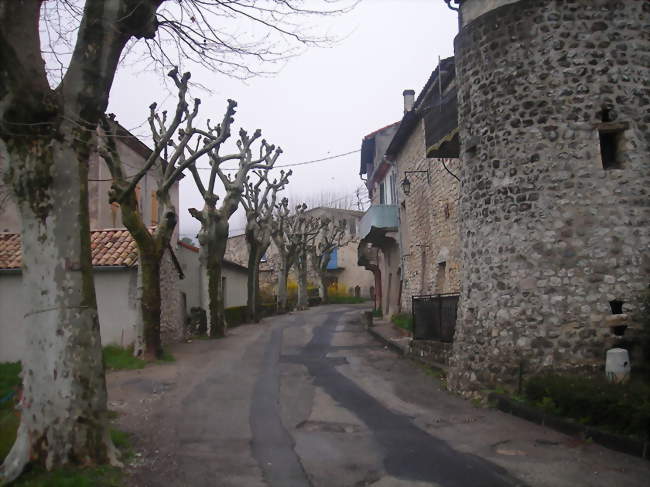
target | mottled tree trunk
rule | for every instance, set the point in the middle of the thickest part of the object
(283, 277)
(319, 265)
(322, 288)
(213, 238)
(303, 297)
(253, 284)
(64, 416)
(151, 249)
(150, 305)
(216, 318)
(256, 250)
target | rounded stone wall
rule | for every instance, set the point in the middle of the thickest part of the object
(555, 209)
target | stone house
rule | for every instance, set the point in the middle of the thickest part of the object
(428, 215)
(424, 152)
(378, 249)
(343, 269)
(412, 239)
(555, 163)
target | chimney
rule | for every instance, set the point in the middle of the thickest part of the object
(409, 100)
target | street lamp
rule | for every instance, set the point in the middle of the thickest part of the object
(406, 184)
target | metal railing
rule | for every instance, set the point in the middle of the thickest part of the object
(434, 316)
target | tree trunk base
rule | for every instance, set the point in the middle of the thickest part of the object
(55, 454)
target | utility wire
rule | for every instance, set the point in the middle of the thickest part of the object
(293, 164)
(336, 156)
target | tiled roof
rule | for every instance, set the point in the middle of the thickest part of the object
(188, 246)
(109, 248)
(372, 134)
(113, 248)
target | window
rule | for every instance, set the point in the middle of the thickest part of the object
(393, 188)
(617, 306)
(353, 226)
(332, 263)
(611, 138)
(609, 149)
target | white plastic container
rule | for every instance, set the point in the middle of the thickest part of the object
(617, 365)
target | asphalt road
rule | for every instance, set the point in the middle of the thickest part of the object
(310, 399)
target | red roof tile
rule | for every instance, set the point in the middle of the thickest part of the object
(109, 248)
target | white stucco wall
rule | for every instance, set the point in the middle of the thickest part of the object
(116, 291)
(236, 286)
(12, 339)
(117, 305)
(353, 274)
(195, 283)
(191, 284)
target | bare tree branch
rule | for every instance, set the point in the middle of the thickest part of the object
(238, 38)
(259, 200)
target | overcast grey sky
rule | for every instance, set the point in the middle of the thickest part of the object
(322, 102)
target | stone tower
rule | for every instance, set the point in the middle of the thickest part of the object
(554, 113)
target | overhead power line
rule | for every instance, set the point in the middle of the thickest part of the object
(294, 164)
(336, 156)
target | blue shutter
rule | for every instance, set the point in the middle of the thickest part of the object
(333, 262)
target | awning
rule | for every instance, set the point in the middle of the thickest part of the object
(441, 128)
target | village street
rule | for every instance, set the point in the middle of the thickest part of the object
(309, 398)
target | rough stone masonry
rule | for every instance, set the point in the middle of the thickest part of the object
(554, 109)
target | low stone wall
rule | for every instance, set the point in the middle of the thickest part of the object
(430, 352)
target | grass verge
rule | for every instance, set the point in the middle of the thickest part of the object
(403, 320)
(9, 391)
(618, 408)
(102, 476)
(345, 300)
(118, 358)
(167, 357)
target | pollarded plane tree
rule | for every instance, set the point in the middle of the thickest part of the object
(52, 96)
(213, 218)
(171, 136)
(331, 236)
(259, 200)
(306, 229)
(282, 233)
